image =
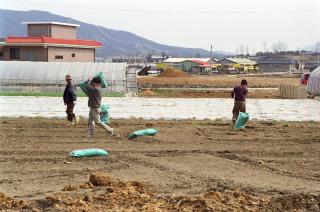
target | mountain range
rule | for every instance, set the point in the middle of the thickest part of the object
(115, 42)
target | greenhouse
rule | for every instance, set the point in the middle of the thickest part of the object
(23, 76)
(313, 86)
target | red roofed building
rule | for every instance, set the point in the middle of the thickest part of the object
(49, 42)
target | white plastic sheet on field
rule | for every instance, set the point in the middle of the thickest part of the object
(55, 72)
(158, 108)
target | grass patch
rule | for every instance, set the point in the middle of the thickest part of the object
(55, 94)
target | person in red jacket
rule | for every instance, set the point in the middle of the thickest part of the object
(239, 94)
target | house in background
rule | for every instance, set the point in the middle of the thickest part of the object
(48, 42)
(277, 63)
(192, 65)
(310, 66)
(238, 64)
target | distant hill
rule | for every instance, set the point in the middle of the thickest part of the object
(115, 42)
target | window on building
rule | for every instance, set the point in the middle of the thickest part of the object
(58, 57)
(1, 54)
(14, 53)
(73, 55)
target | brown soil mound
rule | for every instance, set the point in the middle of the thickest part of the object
(9, 203)
(100, 179)
(148, 92)
(134, 196)
(170, 72)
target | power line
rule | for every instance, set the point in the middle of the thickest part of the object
(169, 11)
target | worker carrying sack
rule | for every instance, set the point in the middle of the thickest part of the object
(137, 133)
(241, 121)
(88, 153)
(104, 114)
(103, 83)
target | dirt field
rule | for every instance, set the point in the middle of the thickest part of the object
(192, 85)
(193, 93)
(190, 165)
(214, 81)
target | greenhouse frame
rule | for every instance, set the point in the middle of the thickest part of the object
(25, 76)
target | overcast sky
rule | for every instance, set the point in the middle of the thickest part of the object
(226, 24)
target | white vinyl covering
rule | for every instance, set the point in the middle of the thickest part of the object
(13, 72)
(313, 86)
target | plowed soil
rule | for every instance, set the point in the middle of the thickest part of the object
(193, 93)
(188, 165)
(214, 81)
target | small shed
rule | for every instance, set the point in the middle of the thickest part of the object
(313, 86)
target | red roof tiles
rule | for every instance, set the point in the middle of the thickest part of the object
(49, 40)
(200, 62)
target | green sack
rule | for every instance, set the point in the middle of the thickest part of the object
(88, 153)
(83, 87)
(137, 133)
(102, 78)
(104, 114)
(241, 121)
(100, 75)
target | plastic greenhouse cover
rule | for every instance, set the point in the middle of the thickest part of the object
(54, 72)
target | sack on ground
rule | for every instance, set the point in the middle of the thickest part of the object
(104, 114)
(88, 153)
(241, 121)
(150, 131)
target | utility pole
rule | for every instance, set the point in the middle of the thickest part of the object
(211, 60)
(318, 48)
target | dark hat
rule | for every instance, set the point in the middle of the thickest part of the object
(96, 80)
(68, 77)
(244, 82)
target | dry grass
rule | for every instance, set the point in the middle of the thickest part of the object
(215, 81)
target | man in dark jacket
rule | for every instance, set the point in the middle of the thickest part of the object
(69, 98)
(95, 94)
(239, 94)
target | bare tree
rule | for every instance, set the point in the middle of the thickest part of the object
(279, 47)
(241, 49)
(247, 50)
(265, 46)
(317, 47)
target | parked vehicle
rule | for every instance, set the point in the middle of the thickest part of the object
(304, 78)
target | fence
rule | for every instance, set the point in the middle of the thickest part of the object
(293, 91)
